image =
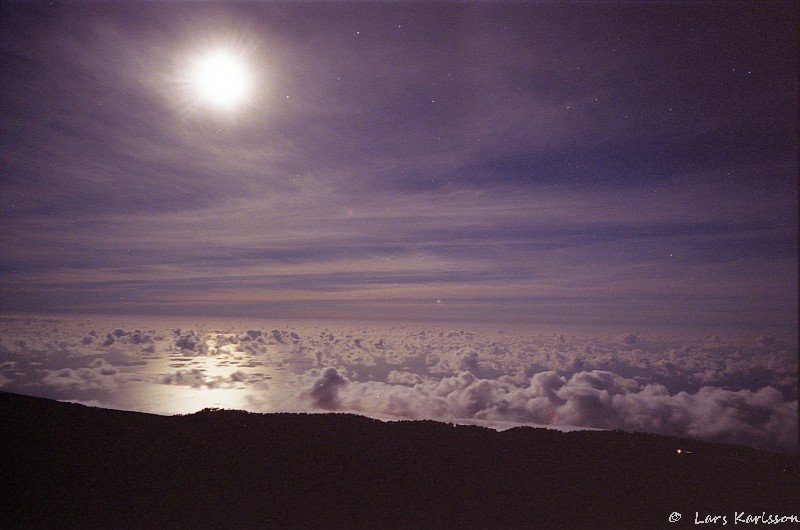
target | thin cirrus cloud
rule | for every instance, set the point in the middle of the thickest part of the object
(506, 156)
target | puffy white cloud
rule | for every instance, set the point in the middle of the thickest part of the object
(7, 372)
(325, 391)
(403, 378)
(197, 378)
(597, 399)
(189, 341)
(98, 376)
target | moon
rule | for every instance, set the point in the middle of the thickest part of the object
(222, 79)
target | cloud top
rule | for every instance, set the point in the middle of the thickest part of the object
(727, 389)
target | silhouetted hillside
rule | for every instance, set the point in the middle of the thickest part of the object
(69, 465)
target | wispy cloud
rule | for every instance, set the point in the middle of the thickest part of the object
(505, 156)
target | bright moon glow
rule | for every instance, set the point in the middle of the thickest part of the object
(221, 79)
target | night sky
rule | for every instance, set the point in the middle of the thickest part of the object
(547, 162)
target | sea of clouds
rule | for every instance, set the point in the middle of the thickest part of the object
(736, 390)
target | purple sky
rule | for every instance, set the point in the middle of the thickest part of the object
(569, 163)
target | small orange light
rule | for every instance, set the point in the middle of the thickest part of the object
(678, 451)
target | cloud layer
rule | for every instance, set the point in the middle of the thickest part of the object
(734, 389)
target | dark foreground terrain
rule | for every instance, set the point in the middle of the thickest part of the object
(67, 465)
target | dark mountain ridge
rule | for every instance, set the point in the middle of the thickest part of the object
(71, 466)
